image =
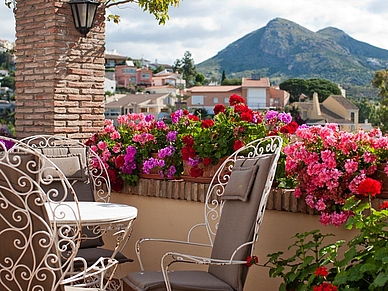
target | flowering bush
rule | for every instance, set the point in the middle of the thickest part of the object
(305, 269)
(330, 166)
(363, 265)
(126, 149)
(232, 127)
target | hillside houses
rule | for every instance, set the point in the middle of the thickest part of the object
(161, 92)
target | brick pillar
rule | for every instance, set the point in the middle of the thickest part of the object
(59, 73)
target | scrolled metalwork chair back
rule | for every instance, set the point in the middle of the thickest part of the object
(37, 250)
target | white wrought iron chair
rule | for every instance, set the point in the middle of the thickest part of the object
(37, 250)
(90, 179)
(233, 212)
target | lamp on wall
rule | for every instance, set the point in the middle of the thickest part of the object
(83, 12)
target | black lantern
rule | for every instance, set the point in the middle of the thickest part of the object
(83, 12)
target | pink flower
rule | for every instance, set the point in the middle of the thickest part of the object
(102, 145)
(297, 192)
(320, 205)
(325, 219)
(328, 157)
(369, 158)
(117, 148)
(109, 128)
(351, 166)
(340, 218)
(115, 135)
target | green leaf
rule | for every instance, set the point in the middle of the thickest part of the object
(354, 273)
(381, 280)
(341, 278)
(368, 267)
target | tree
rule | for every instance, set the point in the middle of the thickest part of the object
(158, 8)
(368, 111)
(380, 81)
(200, 79)
(8, 81)
(223, 77)
(186, 67)
(296, 87)
(158, 69)
(229, 82)
(177, 66)
(323, 87)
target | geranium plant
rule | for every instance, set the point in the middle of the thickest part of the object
(329, 165)
(127, 148)
(305, 269)
(318, 266)
(232, 127)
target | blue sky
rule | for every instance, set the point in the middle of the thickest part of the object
(204, 27)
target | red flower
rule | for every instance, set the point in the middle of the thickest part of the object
(196, 172)
(193, 117)
(321, 271)
(252, 260)
(289, 128)
(185, 112)
(115, 180)
(188, 140)
(247, 116)
(241, 108)
(206, 161)
(207, 123)
(384, 205)
(117, 184)
(119, 161)
(236, 99)
(273, 132)
(369, 187)
(219, 108)
(187, 152)
(238, 144)
(325, 287)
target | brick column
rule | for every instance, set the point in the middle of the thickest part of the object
(59, 73)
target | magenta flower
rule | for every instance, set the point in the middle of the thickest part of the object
(176, 116)
(285, 117)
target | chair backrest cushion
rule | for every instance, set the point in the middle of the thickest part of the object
(237, 224)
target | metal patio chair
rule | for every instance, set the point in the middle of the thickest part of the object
(233, 212)
(37, 250)
(90, 180)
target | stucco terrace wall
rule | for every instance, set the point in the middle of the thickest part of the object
(169, 208)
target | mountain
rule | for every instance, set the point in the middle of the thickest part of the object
(283, 49)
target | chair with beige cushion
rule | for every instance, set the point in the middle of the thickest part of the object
(234, 209)
(37, 251)
(90, 180)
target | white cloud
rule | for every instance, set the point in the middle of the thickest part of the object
(205, 27)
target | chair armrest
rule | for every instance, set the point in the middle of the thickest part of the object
(95, 274)
(163, 240)
(199, 260)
